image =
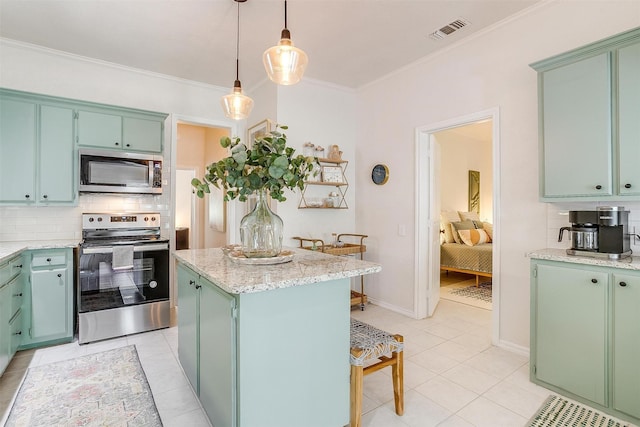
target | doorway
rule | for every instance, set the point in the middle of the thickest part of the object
(203, 220)
(428, 209)
(466, 194)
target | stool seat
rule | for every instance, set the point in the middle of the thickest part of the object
(369, 343)
(372, 341)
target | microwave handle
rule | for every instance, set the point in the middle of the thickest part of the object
(141, 248)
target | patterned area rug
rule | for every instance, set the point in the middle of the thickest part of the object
(559, 412)
(466, 292)
(102, 389)
(481, 292)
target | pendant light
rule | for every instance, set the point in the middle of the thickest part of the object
(284, 63)
(237, 105)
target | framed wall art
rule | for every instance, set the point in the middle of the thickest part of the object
(474, 191)
(259, 129)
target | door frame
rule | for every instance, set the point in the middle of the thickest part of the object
(424, 217)
(234, 128)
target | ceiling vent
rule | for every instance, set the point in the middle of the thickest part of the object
(449, 29)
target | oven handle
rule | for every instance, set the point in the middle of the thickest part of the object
(141, 248)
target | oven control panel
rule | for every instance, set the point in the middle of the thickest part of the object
(92, 221)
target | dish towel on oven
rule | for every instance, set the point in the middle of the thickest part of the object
(122, 257)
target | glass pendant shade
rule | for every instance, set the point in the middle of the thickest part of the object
(237, 105)
(285, 63)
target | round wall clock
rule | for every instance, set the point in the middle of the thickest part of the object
(380, 174)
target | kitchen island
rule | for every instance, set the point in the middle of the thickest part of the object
(267, 345)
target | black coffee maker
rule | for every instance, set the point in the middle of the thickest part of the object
(600, 233)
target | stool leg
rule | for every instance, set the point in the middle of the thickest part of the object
(397, 374)
(356, 395)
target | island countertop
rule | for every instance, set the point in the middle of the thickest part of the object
(305, 268)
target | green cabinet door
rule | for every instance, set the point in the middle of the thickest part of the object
(626, 344)
(217, 355)
(570, 342)
(576, 123)
(57, 162)
(188, 308)
(142, 134)
(99, 129)
(629, 119)
(50, 304)
(18, 136)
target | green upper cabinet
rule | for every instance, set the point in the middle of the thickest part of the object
(121, 129)
(589, 121)
(626, 343)
(142, 134)
(629, 119)
(37, 146)
(18, 137)
(99, 130)
(57, 160)
(576, 117)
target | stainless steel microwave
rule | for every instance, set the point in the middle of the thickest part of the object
(104, 171)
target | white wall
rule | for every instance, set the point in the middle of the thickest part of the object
(323, 114)
(486, 71)
(459, 155)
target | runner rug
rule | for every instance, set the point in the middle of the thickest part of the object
(106, 389)
(559, 412)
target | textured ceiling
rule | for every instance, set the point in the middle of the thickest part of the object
(349, 42)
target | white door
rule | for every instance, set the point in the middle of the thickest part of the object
(428, 228)
(433, 293)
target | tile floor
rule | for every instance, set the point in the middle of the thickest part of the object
(454, 377)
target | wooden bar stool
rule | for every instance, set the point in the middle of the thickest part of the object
(367, 344)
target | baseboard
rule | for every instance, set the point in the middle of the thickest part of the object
(514, 348)
(392, 307)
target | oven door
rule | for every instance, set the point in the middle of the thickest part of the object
(101, 286)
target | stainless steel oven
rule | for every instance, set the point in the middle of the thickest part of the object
(123, 277)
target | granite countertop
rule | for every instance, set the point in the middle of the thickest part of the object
(9, 249)
(631, 263)
(305, 268)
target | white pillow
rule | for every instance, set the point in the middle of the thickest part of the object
(446, 218)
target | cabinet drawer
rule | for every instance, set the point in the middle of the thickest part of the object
(49, 259)
(15, 330)
(10, 270)
(17, 294)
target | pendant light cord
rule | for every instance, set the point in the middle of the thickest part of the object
(285, 14)
(238, 45)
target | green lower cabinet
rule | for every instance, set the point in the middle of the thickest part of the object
(207, 344)
(626, 344)
(11, 302)
(585, 334)
(48, 314)
(188, 324)
(217, 354)
(571, 322)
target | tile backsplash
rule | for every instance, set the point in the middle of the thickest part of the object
(19, 223)
(558, 216)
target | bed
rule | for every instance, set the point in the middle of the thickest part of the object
(476, 260)
(466, 244)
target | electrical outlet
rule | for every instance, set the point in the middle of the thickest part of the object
(402, 230)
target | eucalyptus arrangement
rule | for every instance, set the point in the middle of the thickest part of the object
(268, 164)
